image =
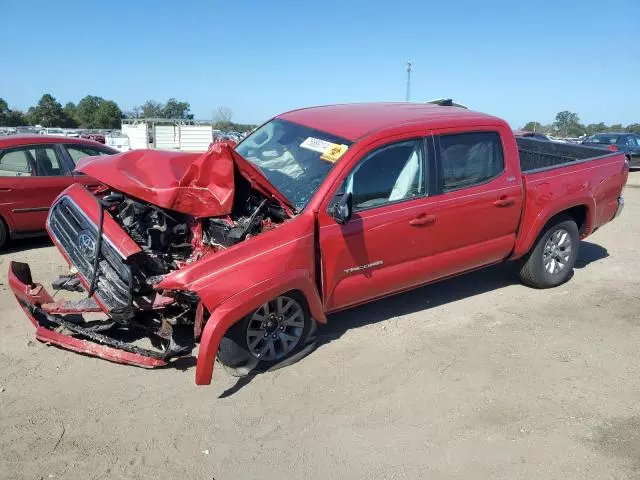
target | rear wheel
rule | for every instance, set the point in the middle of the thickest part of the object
(272, 335)
(551, 261)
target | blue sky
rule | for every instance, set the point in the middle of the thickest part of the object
(263, 57)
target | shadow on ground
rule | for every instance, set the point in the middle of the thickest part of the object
(424, 298)
(25, 244)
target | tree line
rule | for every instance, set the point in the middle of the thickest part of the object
(93, 112)
(567, 124)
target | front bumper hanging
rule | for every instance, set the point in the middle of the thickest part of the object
(48, 316)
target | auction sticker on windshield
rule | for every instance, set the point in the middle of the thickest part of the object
(333, 153)
(316, 144)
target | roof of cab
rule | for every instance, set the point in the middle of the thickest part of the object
(356, 120)
(31, 139)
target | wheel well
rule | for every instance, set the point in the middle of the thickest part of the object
(6, 226)
(578, 214)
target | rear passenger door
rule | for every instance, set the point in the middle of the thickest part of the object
(479, 202)
(31, 177)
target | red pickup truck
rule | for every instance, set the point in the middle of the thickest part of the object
(244, 250)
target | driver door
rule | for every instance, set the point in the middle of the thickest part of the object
(373, 254)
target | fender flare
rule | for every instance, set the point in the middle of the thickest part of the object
(241, 304)
(526, 241)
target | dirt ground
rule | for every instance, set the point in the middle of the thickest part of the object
(475, 377)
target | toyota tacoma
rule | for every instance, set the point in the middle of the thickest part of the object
(241, 251)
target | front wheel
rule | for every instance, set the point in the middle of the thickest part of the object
(550, 262)
(272, 335)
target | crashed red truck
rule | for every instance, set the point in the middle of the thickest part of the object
(243, 250)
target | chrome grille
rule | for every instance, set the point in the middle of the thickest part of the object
(67, 222)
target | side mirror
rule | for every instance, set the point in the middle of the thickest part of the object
(343, 210)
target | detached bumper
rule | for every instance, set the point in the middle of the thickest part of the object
(38, 305)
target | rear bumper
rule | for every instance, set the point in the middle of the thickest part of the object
(620, 207)
(37, 304)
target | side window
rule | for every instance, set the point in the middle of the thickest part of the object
(469, 159)
(34, 160)
(389, 174)
(15, 163)
(76, 152)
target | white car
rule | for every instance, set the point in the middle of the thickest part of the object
(118, 141)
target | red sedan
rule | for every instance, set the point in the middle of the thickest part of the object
(34, 169)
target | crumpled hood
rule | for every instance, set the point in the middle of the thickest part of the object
(198, 184)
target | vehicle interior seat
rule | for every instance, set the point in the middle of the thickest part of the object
(45, 164)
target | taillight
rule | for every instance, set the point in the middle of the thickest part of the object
(613, 148)
(625, 174)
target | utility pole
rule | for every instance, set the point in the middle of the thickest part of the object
(408, 81)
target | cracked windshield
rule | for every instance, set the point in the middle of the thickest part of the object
(294, 158)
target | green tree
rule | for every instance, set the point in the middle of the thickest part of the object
(594, 128)
(15, 118)
(151, 109)
(568, 124)
(532, 127)
(616, 128)
(4, 111)
(108, 115)
(86, 110)
(175, 109)
(10, 118)
(70, 112)
(48, 112)
(633, 128)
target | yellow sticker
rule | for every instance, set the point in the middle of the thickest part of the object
(334, 152)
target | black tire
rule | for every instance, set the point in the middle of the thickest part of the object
(4, 233)
(533, 271)
(235, 353)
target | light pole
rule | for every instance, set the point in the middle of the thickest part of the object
(408, 81)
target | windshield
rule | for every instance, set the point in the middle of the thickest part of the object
(289, 155)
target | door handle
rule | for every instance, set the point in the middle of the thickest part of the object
(504, 201)
(422, 220)
(5, 189)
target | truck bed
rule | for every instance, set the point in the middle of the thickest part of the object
(539, 155)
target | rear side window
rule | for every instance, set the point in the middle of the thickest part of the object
(15, 164)
(33, 160)
(76, 152)
(469, 159)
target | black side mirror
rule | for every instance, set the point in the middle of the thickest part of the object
(343, 210)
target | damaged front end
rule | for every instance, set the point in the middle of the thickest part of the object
(121, 246)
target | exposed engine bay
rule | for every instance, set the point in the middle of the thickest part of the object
(170, 239)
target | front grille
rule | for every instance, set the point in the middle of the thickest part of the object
(70, 227)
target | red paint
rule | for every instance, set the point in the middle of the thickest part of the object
(406, 244)
(94, 349)
(68, 306)
(35, 294)
(25, 200)
(197, 184)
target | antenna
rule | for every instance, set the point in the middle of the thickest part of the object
(409, 65)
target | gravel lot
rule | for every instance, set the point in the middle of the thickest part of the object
(475, 377)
